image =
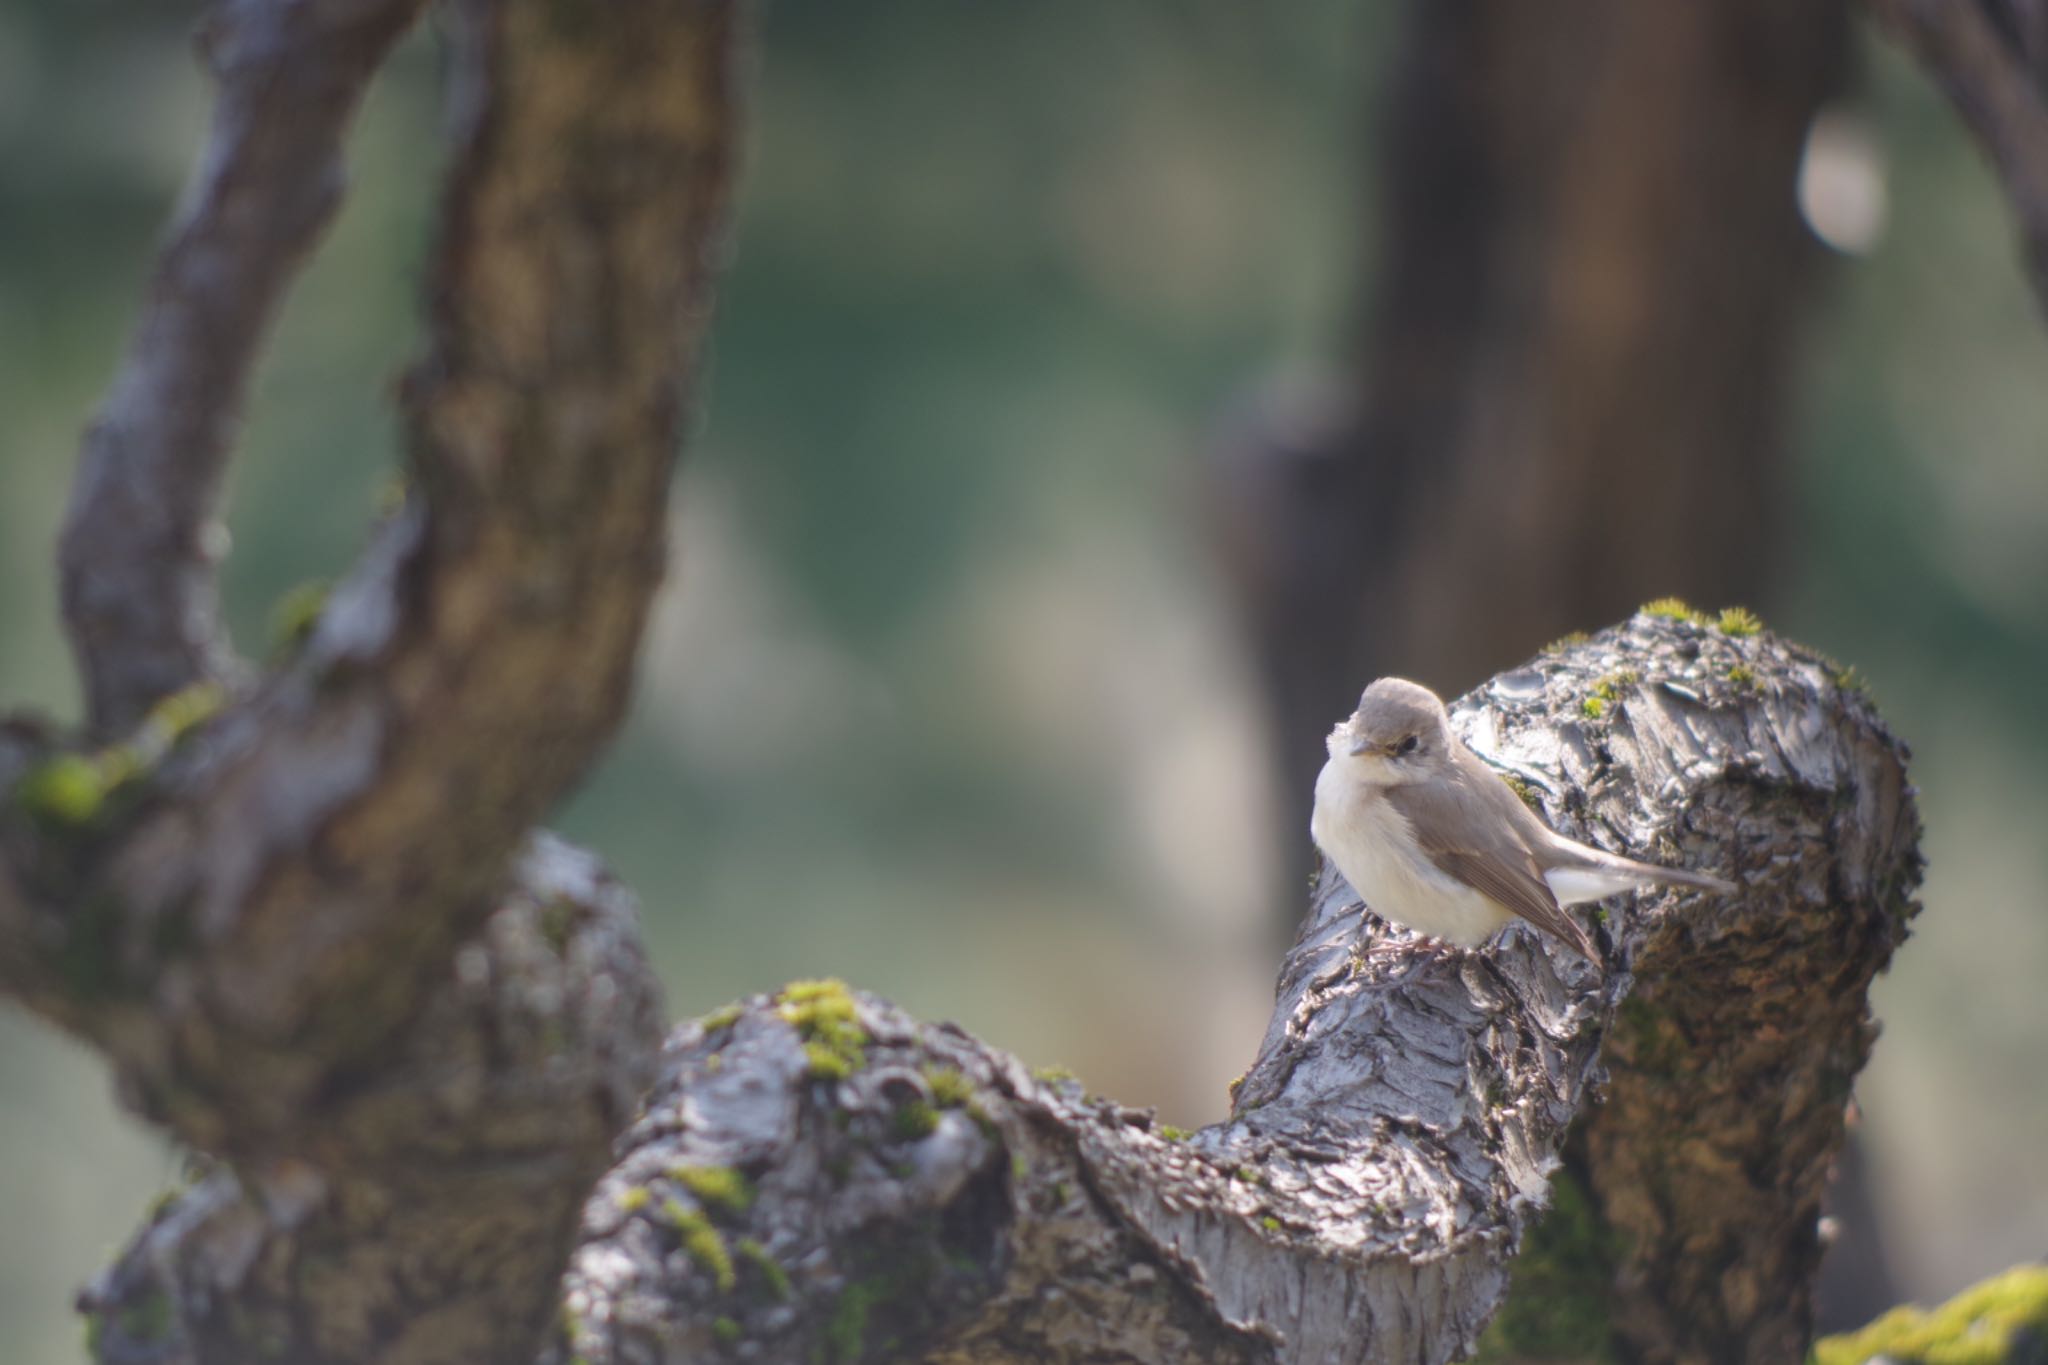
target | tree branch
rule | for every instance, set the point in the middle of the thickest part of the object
(242, 918)
(252, 903)
(1997, 84)
(428, 1218)
(819, 1177)
(138, 580)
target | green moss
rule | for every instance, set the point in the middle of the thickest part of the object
(1742, 675)
(1054, 1075)
(1562, 1285)
(186, 709)
(1270, 1223)
(1738, 621)
(1566, 641)
(718, 1188)
(726, 1331)
(703, 1243)
(827, 1065)
(295, 615)
(772, 1274)
(1674, 609)
(1521, 787)
(1606, 690)
(828, 990)
(1847, 679)
(65, 790)
(725, 1016)
(825, 1015)
(1173, 1134)
(633, 1199)
(914, 1120)
(949, 1088)
(1977, 1327)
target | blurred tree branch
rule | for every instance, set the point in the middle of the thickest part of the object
(139, 592)
(250, 897)
(1990, 57)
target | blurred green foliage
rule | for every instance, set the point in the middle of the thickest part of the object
(945, 699)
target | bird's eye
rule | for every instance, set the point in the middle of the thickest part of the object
(1407, 746)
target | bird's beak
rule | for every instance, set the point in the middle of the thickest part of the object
(1360, 745)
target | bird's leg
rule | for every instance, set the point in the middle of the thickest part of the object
(1409, 954)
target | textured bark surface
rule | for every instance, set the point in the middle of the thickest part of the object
(821, 1178)
(425, 1219)
(251, 895)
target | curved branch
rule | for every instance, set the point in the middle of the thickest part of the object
(140, 600)
(244, 922)
(1996, 84)
(823, 1178)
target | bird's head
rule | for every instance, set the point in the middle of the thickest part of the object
(1399, 733)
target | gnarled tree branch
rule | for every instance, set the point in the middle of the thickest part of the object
(822, 1178)
(251, 903)
(427, 1218)
(259, 911)
(138, 580)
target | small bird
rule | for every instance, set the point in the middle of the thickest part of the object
(1434, 839)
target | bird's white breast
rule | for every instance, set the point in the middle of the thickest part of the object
(1373, 846)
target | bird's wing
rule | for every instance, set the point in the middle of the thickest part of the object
(1491, 853)
(1553, 850)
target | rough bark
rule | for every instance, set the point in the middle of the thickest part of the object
(428, 1218)
(250, 898)
(821, 1178)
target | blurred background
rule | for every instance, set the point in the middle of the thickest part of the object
(1099, 396)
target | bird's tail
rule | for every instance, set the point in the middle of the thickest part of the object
(1678, 876)
(1591, 874)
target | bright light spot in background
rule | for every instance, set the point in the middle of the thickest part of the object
(1842, 182)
